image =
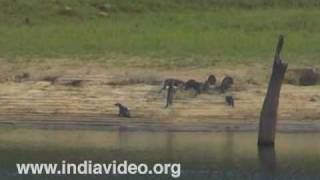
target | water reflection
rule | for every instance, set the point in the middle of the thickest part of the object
(123, 137)
(170, 146)
(268, 161)
(216, 155)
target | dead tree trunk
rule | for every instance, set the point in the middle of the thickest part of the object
(268, 116)
(268, 160)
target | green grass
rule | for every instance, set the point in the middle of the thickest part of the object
(165, 33)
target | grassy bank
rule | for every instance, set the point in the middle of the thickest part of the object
(165, 33)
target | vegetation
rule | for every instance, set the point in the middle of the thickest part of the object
(160, 32)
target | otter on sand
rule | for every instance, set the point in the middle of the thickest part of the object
(230, 100)
(123, 110)
(192, 84)
(169, 95)
(210, 83)
(226, 84)
(173, 82)
(309, 77)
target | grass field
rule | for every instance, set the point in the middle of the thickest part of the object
(169, 33)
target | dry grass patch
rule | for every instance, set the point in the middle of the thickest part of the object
(136, 77)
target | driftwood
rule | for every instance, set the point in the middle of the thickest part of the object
(268, 116)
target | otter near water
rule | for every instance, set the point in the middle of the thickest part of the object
(173, 82)
(230, 100)
(123, 110)
(226, 83)
(194, 85)
(210, 83)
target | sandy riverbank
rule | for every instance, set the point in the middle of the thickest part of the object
(138, 88)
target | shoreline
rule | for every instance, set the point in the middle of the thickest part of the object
(102, 122)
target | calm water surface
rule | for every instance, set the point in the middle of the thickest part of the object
(223, 155)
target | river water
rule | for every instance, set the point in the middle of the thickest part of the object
(212, 155)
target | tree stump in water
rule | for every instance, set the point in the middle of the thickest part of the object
(268, 116)
(268, 160)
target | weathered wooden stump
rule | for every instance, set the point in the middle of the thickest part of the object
(268, 116)
(268, 160)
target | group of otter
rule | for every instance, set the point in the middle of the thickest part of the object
(198, 87)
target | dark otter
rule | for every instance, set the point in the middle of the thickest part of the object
(226, 84)
(308, 77)
(193, 84)
(230, 100)
(210, 83)
(123, 110)
(173, 82)
(170, 94)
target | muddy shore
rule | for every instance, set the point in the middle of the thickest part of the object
(101, 121)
